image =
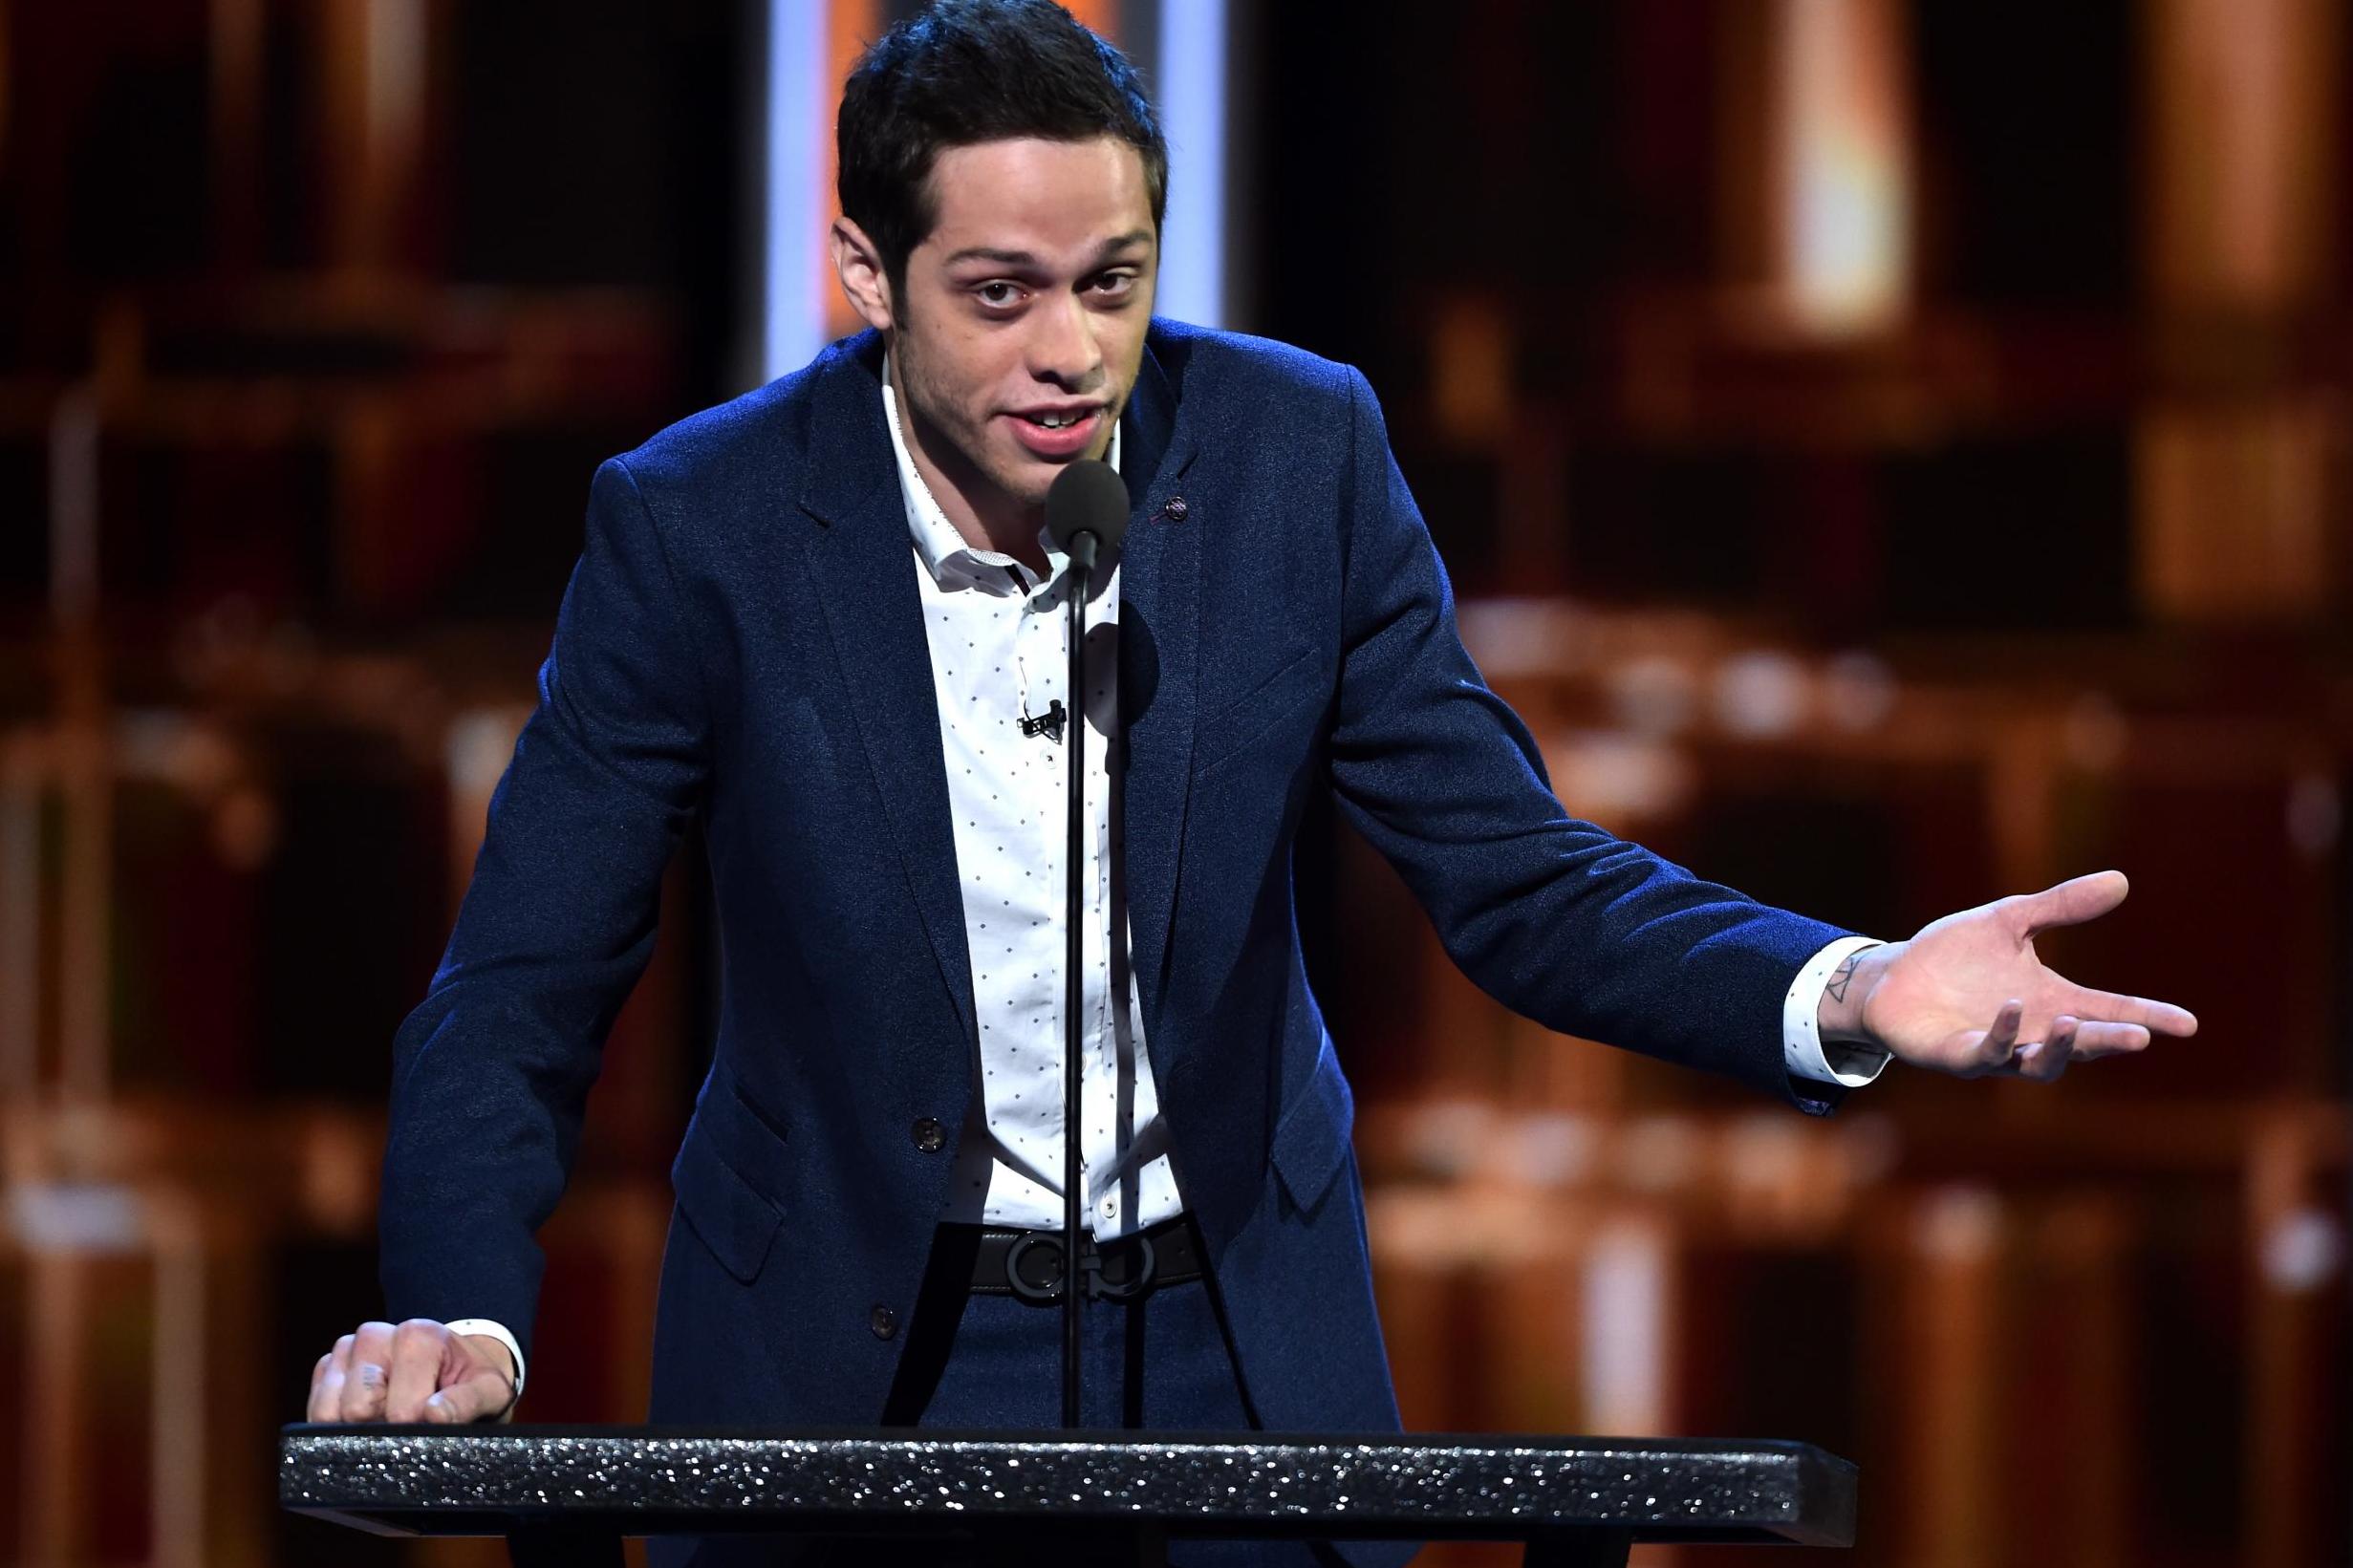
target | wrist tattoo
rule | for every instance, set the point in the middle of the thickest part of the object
(1842, 978)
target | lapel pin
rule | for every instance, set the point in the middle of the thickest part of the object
(1175, 510)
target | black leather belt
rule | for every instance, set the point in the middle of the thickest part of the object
(1009, 1261)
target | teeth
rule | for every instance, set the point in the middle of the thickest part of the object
(1056, 421)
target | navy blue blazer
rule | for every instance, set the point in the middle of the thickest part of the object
(742, 638)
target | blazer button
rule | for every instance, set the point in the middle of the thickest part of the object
(929, 1136)
(883, 1321)
(1175, 510)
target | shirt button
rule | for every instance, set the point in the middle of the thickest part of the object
(929, 1136)
(883, 1321)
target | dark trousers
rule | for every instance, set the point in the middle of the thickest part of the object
(983, 1363)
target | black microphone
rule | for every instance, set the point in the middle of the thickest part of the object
(1048, 723)
(1086, 510)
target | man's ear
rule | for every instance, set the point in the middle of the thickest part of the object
(860, 265)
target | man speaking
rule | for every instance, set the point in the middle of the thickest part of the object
(825, 617)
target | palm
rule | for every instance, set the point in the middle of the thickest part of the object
(1969, 995)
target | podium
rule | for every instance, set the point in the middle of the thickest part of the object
(568, 1494)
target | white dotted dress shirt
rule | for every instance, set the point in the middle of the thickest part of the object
(1000, 652)
(1000, 649)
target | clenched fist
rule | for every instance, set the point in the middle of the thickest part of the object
(416, 1371)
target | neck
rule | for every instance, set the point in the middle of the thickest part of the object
(981, 514)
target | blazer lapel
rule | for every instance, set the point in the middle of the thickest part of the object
(864, 567)
(1159, 631)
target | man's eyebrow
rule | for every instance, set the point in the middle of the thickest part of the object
(1023, 258)
(982, 252)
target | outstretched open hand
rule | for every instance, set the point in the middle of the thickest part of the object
(1968, 994)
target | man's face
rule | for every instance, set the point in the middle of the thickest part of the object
(1024, 309)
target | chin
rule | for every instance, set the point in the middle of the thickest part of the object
(1031, 477)
(1029, 481)
(1025, 477)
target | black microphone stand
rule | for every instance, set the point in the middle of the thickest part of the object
(1082, 549)
(1085, 510)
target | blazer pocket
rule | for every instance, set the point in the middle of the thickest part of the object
(1247, 717)
(1311, 1139)
(736, 1221)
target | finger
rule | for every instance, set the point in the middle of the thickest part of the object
(2097, 1040)
(478, 1396)
(362, 1391)
(2045, 1058)
(2074, 901)
(2115, 1007)
(328, 1405)
(366, 1369)
(1997, 1048)
(420, 1346)
(489, 1352)
(316, 1409)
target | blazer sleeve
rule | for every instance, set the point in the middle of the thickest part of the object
(491, 1071)
(1555, 918)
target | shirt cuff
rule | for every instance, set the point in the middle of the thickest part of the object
(1803, 1051)
(497, 1331)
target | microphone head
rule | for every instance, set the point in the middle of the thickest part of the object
(1087, 497)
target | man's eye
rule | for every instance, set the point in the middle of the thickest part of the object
(997, 293)
(1115, 283)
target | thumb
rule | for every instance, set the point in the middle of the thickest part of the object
(482, 1394)
(2074, 901)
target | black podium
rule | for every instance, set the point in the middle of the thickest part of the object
(567, 1494)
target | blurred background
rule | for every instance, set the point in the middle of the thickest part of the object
(1895, 453)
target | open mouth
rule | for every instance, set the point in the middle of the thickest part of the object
(1060, 433)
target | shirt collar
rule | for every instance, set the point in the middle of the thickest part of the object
(951, 562)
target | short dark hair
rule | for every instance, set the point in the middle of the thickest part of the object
(969, 70)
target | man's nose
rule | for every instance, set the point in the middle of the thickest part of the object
(1063, 349)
